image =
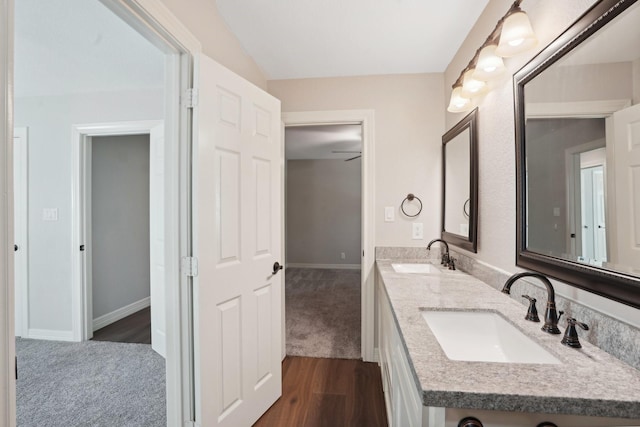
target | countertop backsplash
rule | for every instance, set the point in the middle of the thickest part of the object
(609, 334)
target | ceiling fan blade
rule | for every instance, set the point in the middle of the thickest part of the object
(353, 158)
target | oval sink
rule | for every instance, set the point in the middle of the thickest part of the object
(417, 268)
(484, 336)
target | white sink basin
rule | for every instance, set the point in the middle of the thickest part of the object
(416, 268)
(483, 336)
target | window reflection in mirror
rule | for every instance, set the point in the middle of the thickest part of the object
(582, 152)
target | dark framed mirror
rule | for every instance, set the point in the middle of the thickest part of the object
(460, 184)
(578, 154)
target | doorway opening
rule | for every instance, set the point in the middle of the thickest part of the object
(125, 85)
(119, 183)
(323, 240)
(365, 119)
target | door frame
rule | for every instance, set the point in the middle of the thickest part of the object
(573, 212)
(81, 218)
(153, 20)
(366, 119)
(602, 109)
(21, 230)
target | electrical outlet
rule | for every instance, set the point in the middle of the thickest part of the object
(417, 231)
(343, 255)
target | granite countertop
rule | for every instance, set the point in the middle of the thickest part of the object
(588, 381)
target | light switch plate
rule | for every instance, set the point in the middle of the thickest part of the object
(389, 214)
(417, 232)
(50, 214)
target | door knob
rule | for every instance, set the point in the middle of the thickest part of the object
(277, 267)
(15, 248)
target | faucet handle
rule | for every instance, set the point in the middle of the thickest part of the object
(445, 259)
(570, 338)
(452, 263)
(532, 313)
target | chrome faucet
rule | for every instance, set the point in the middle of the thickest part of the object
(551, 315)
(444, 260)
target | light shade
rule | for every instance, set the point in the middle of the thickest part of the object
(490, 65)
(472, 87)
(458, 103)
(517, 35)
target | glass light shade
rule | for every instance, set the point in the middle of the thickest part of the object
(458, 103)
(489, 65)
(472, 87)
(517, 35)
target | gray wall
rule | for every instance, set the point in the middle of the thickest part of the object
(548, 139)
(323, 211)
(120, 221)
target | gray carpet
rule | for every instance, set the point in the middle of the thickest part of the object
(323, 313)
(89, 384)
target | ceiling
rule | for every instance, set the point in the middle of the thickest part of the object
(328, 38)
(79, 46)
(318, 142)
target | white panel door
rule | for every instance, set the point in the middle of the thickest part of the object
(626, 164)
(157, 240)
(237, 199)
(20, 210)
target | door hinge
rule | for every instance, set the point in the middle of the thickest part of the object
(190, 98)
(190, 266)
(191, 424)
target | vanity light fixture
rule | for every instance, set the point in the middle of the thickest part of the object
(511, 36)
(516, 36)
(458, 103)
(471, 86)
(490, 65)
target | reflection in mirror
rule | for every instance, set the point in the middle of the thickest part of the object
(578, 136)
(457, 177)
(459, 185)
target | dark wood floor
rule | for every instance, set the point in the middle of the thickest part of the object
(328, 392)
(135, 328)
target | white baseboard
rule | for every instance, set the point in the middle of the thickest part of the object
(121, 313)
(332, 266)
(49, 334)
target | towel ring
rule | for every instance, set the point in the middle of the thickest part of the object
(465, 209)
(410, 198)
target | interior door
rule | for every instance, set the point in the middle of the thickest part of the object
(237, 293)
(157, 240)
(20, 179)
(626, 167)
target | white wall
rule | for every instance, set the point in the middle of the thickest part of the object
(323, 211)
(408, 129)
(119, 222)
(497, 204)
(49, 120)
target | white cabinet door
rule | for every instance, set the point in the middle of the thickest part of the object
(237, 199)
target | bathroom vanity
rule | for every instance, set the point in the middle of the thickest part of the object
(424, 387)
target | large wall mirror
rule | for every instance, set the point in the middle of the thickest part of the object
(578, 154)
(460, 184)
